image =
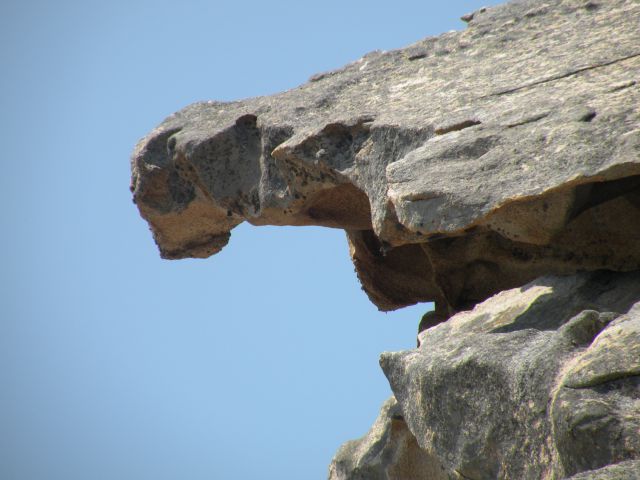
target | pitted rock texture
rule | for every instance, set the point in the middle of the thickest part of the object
(541, 381)
(459, 166)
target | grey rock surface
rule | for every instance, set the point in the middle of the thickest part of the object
(388, 452)
(459, 166)
(621, 471)
(541, 381)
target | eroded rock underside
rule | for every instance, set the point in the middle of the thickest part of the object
(461, 168)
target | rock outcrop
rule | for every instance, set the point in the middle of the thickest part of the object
(541, 381)
(461, 168)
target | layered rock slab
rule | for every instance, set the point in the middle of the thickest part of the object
(541, 381)
(459, 166)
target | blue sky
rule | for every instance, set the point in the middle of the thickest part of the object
(114, 364)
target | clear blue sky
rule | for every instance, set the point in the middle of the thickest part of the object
(114, 364)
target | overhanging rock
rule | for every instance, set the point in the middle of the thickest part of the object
(459, 166)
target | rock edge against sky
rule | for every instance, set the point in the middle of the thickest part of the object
(494, 171)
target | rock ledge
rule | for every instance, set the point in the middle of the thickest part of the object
(494, 171)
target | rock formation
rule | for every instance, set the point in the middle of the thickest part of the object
(494, 171)
(537, 382)
(541, 381)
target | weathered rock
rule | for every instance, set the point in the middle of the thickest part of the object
(538, 382)
(459, 166)
(621, 471)
(388, 452)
